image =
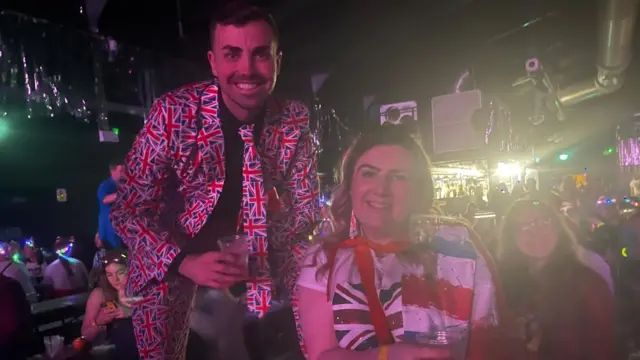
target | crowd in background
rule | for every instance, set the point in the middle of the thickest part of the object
(31, 274)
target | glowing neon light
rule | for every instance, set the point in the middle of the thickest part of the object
(624, 252)
(606, 201)
(65, 251)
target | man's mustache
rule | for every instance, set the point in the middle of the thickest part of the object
(254, 78)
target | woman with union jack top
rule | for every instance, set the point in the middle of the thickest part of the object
(367, 290)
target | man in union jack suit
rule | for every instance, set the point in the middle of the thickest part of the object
(210, 162)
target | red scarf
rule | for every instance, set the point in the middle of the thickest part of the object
(362, 250)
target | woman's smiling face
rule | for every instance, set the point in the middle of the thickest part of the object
(382, 187)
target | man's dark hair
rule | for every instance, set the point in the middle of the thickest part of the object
(115, 163)
(239, 13)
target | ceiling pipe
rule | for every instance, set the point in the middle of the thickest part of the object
(615, 36)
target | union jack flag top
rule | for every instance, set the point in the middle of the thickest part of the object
(459, 296)
(156, 215)
(462, 295)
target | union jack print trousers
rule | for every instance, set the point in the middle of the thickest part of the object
(161, 320)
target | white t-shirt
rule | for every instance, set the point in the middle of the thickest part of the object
(464, 283)
(56, 275)
(36, 271)
(18, 272)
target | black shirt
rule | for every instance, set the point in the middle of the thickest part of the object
(223, 220)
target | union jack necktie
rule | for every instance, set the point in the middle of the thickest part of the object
(254, 225)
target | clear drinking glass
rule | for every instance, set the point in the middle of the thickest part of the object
(53, 345)
(235, 245)
(425, 311)
(439, 335)
(423, 227)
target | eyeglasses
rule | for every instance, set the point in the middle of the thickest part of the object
(533, 225)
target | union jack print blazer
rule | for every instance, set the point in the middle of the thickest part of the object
(161, 168)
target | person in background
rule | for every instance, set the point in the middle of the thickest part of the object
(627, 270)
(478, 196)
(107, 193)
(634, 186)
(518, 191)
(107, 311)
(16, 325)
(563, 309)
(499, 200)
(470, 213)
(34, 261)
(569, 192)
(531, 186)
(593, 190)
(50, 255)
(15, 249)
(66, 275)
(587, 236)
(100, 251)
(551, 198)
(16, 270)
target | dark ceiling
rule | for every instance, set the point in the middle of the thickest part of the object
(374, 45)
(398, 50)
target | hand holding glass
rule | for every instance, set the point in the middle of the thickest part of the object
(235, 245)
(218, 269)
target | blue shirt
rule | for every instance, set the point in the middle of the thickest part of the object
(105, 228)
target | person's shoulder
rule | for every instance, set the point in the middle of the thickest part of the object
(16, 268)
(588, 281)
(187, 95)
(96, 293)
(96, 296)
(289, 112)
(315, 255)
(7, 283)
(75, 262)
(296, 108)
(107, 182)
(54, 264)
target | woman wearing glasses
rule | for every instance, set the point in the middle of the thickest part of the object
(562, 309)
(369, 291)
(107, 312)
